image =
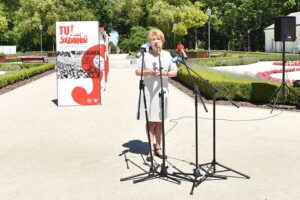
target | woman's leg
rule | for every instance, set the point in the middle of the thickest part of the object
(158, 126)
(151, 132)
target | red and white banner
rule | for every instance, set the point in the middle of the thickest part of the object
(77, 63)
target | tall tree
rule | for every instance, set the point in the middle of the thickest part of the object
(240, 19)
(35, 13)
(103, 11)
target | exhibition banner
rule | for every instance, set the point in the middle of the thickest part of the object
(77, 63)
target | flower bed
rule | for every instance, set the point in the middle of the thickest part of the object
(288, 63)
(267, 74)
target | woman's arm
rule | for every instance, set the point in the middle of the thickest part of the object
(146, 72)
(170, 74)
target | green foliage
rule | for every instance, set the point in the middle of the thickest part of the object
(9, 67)
(230, 20)
(2, 54)
(190, 17)
(129, 13)
(241, 59)
(3, 26)
(112, 46)
(33, 13)
(138, 36)
(233, 19)
(27, 72)
(241, 90)
(103, 10)
(161, 15)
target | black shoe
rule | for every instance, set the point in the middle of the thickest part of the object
(158, 154)
(149, 158)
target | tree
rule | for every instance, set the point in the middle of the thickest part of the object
(138, 36)
(103, 10)
(3, 23)
(3, 26)
(33, 13)
(236, 18)
(190, 17)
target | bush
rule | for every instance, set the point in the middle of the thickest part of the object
(238, 58)
(27, 71)
(241, 90)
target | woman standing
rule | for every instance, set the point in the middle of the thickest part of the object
(152, 82)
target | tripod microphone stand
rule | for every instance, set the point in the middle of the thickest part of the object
(153, 170)
(197, 171)
(164, 169)
(212, 165)
(283, 85)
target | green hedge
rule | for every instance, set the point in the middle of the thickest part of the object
(241, 59)
(255, 92)
(27, 71)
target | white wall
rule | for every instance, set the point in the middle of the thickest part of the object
(8, 50)
(272, 46)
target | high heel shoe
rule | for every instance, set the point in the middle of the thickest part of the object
(158, 153)
(148, 158)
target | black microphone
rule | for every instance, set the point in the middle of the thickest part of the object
(176, 59)
(144, 48)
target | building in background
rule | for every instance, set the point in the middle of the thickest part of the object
(291, 47)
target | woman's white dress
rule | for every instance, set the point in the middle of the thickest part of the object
(153, 86)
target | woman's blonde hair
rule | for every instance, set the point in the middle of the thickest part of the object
(156, 32)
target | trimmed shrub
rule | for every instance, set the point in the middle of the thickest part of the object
(27, 71)
(241, 90)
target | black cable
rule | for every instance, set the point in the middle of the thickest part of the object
(220, 119)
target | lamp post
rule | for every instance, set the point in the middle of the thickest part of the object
(208, 12)
(41, 29)
(248, 40)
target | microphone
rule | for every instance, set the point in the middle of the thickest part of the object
(183, 54)
(176, 59)
(158, 47)
(180, 48)
(144, 48)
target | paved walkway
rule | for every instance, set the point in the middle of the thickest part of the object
(78, 153)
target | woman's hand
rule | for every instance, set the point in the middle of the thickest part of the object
(164, 73)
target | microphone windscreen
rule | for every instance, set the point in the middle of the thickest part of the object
(146, 46)
(173, 53)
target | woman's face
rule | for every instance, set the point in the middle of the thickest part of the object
(156, 41)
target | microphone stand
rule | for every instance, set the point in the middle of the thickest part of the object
(164, 169)
(197, 171)
(153, 170)
(283, 85)
(212, 165)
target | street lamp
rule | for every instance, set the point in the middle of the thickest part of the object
(208, 12)
(248, 40)
(41, 29)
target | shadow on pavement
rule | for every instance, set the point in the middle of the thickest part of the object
(137, 147)
(55, 102)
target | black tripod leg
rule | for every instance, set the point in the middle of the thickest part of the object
(275, 93)
(172, 178)
(293, 92)
(277, 96)
(229, 169)
(150, 176)
(193, 187)
(134, 176)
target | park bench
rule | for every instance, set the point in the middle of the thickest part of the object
(32, 58)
